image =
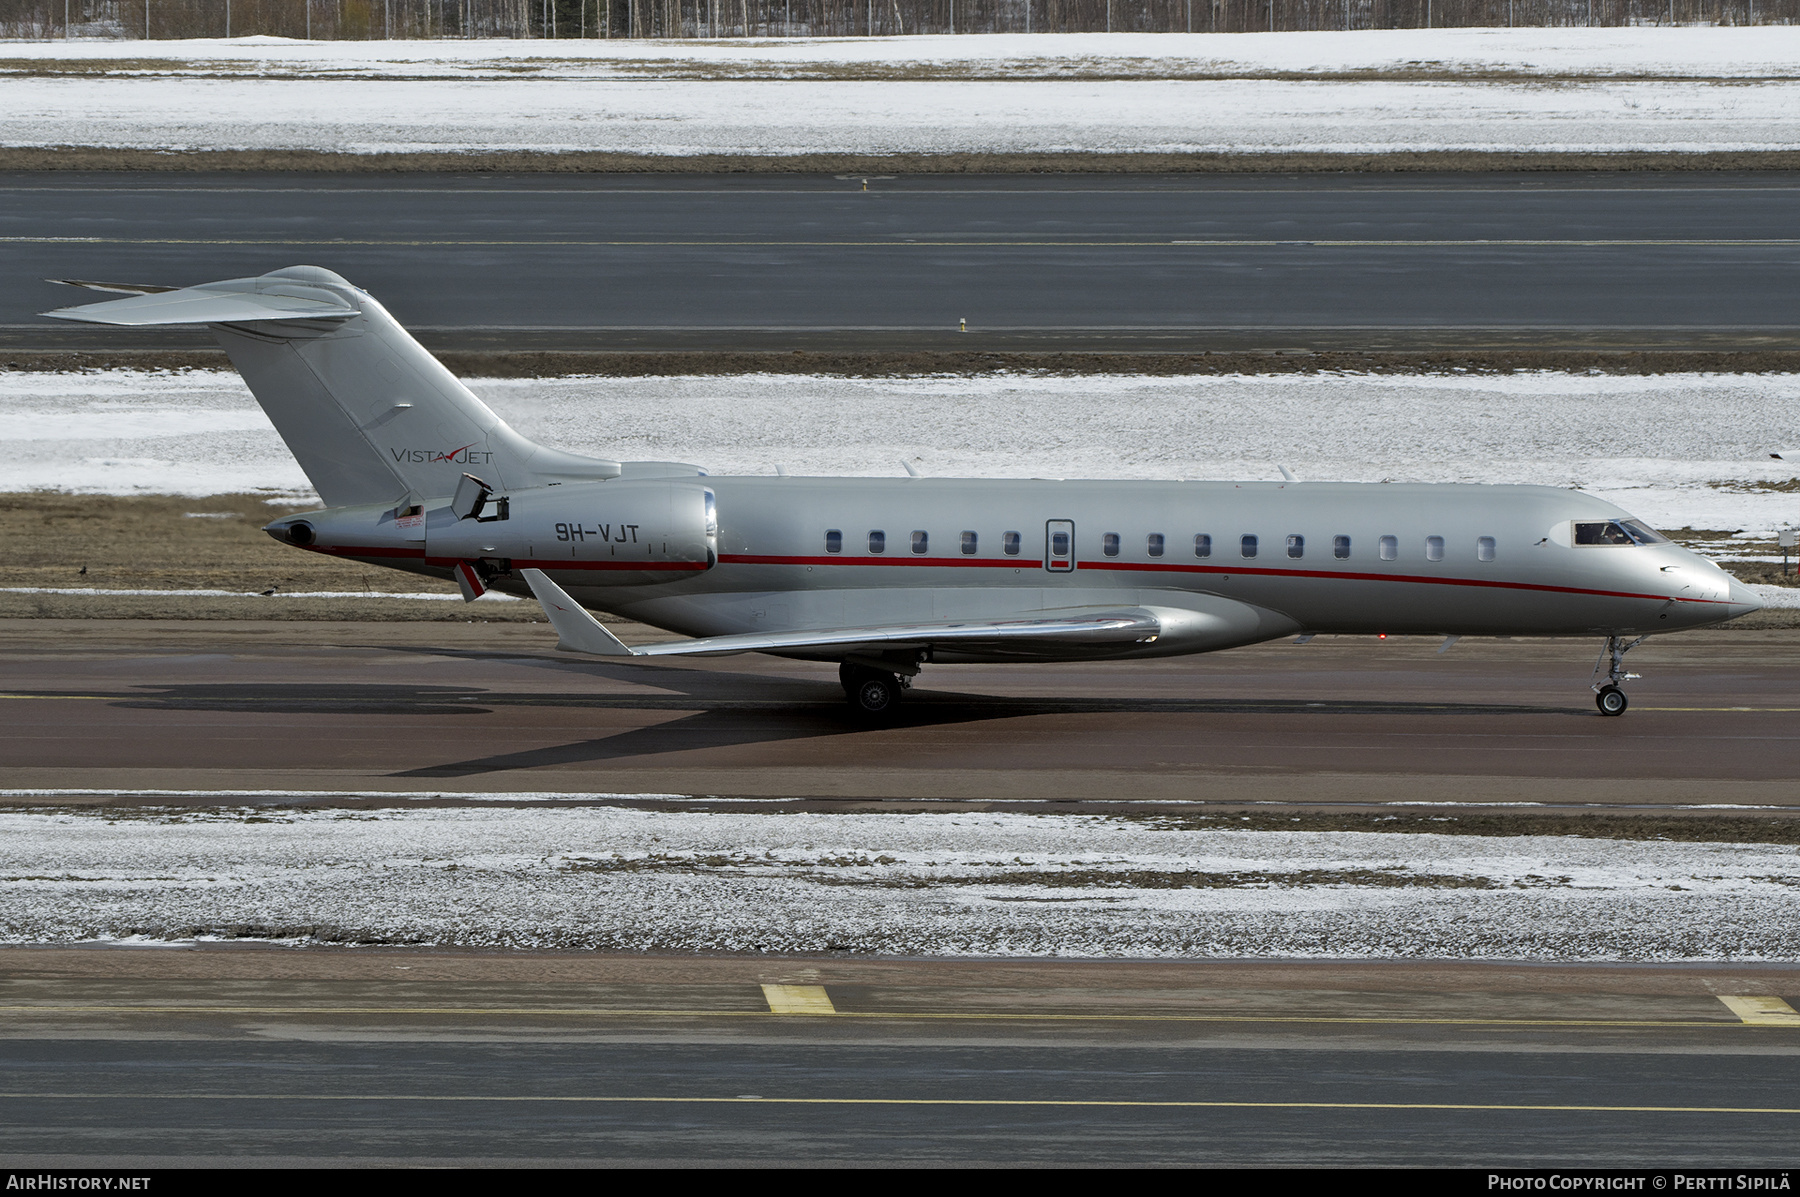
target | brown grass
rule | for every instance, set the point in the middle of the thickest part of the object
(151, 543)
(555, 363)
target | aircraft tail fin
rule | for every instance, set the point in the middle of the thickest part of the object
(371, 416)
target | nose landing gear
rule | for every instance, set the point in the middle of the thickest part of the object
(1608, 696)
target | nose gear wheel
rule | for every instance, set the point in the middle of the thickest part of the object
(1608, 695)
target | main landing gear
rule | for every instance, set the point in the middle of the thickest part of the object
(874, 692)
(1608, 696)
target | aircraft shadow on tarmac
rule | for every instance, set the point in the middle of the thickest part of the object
(729, 709)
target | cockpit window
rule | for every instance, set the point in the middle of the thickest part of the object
(1621, 532)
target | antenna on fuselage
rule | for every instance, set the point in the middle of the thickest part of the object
(1287, 474)
(908, 467)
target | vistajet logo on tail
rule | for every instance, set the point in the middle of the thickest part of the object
(467, 455)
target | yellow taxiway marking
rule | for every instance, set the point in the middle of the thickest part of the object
(825, 1007)
(1478, 1107)
(1763, 1011)
(798, 999)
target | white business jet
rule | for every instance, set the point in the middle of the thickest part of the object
(885, 576)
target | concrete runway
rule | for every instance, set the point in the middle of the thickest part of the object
(1035, 262)
(484, 708)
(116, 1056)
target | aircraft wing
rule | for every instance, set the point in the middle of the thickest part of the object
(580, 632)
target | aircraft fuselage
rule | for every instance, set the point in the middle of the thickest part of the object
(1252, 560)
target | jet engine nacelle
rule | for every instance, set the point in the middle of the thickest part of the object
(610, 533)
(613, 533)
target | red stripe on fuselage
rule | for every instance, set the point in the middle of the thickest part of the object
(519, 562)
(1018, 563)
(1168, 567)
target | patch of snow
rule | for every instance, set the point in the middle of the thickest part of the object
(1711, 52)
(685, 118)
(914, 884)
(1777, 596)
(1615, 90)
(1679, 450)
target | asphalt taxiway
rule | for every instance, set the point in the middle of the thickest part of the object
(197, 1056)
(134, 705)
(206, 1054)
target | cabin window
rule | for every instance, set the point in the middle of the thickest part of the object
(1153, 544)
(921, 541)
(834, 541)
(1484, 548)
(1247, 546)
(1340, 547)
(968, 544)
(1203, 545)
(1390, 548)
(1434, 548)
(1109, 544)
(878, 542)
(1009, 544)
(1059, 543)
(1296, 546)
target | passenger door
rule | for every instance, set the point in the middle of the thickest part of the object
(1059, 546)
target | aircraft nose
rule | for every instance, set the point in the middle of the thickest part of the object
(1743, 600)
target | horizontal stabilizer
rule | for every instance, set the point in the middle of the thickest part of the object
(1094, 628)
(89, 284)
(210, 304)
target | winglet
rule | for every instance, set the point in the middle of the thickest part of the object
(576, 630)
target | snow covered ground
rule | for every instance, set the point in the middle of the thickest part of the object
(913, 884)
(1585, 90)
(1680, 450)
(1763, 52)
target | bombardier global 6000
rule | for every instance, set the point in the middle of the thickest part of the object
(885, 576)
